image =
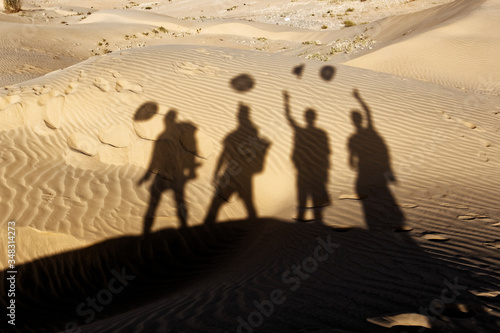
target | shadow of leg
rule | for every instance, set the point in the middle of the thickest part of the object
(179, 200)
(246, 195)
(157, 188)
(217, 202)
(301, 201)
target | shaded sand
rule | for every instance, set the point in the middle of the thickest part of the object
(199, 279)
(114, 148)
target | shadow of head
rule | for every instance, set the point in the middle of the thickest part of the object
(242, 83)
(170, 117)
(146, 111)
(357, 118)
(310, 117)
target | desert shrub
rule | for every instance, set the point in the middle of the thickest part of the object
(12, 6)
(349, 23)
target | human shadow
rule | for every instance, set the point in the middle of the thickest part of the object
(311, 157)
(179, 278)
(173, 164)
(242, 157)
(369, 156)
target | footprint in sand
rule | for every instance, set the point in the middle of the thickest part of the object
(14, 91)
(83, 144)
(12, 113)
(124, 85)
(351, 197)
(465, 217)
(37, 89)
(48, 94)
(453, 205)
(72, 88)
(8, 101)
(190, 69)
(409, 205)
(484, 142)
(45, 89)
(483, 156)
(486, 293)
(53, 111)
(48, 197)
(403, 319)
(445, 115)
(493, 244)
(115, 135)
(467, 124)
(435, 237)
(102, 84)
(404, 228)
(472, 216)
(82, 75)
(115, 73)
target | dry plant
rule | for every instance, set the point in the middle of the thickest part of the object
(12, 6)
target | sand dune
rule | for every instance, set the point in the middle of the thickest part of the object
(461, 54)
(112, 164)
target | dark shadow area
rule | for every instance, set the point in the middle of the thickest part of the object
(369, 156)
(204, 278)
(173, 163)
(243, 156)
(311, 158)
(116, 275)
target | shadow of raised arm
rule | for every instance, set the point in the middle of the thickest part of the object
(365, 107)
(286, 100)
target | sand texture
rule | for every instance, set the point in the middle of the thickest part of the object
(250, 167)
